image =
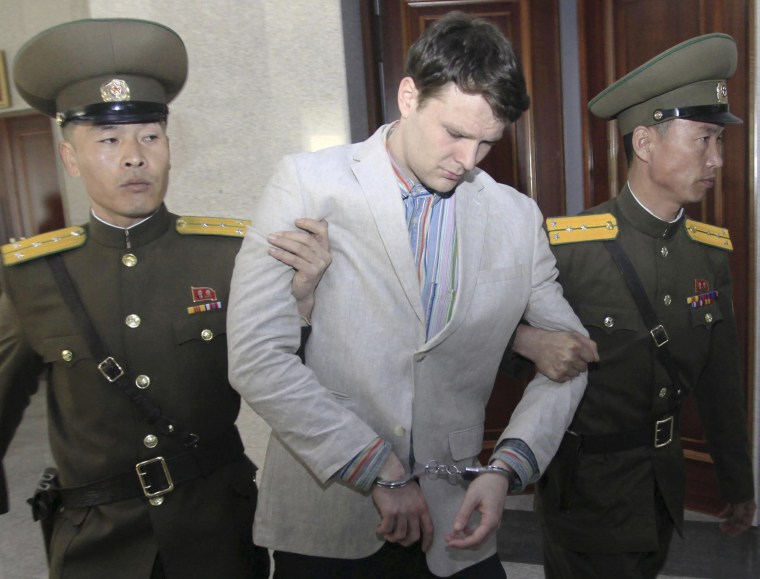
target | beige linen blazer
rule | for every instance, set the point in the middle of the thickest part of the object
(369, 369)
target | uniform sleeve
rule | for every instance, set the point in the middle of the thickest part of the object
(721, 403)
(513, 364)
(20, 369)
(546, 408)
(263, 335)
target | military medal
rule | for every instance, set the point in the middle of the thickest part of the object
(700, 300)
(204, 294)
(204, 308)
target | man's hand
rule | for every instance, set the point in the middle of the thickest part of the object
(559, 356)
(486, 495)
(404, 511)
(306, 251)
(737, 518)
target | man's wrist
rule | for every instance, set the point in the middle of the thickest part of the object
(500, 467)
(394, 484)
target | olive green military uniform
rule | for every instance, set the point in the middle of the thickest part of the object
(157, 297)
(140, 497)
(605, 502)
(615, 490)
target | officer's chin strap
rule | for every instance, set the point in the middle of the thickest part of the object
(109, 368)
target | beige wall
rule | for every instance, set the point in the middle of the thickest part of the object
(267, 78)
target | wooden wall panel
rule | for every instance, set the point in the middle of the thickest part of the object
(30, 200)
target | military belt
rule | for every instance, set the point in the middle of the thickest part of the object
(159, 475)
(657, 434)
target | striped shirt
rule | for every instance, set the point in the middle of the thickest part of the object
(431, 221)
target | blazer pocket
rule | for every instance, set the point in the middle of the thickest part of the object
(204, 326)
(69, 350)
(500, 274)
(466, 443)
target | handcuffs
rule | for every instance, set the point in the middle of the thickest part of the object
(452, 473)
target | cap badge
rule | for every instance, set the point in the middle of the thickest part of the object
(722, 93)
(115, 91)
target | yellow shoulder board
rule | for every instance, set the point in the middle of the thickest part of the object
(212, 226)
(709, 234)
(43, 244)
(599, 227)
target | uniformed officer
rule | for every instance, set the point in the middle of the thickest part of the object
(613, 494)
(155, 482)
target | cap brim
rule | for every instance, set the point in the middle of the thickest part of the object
(719, 118)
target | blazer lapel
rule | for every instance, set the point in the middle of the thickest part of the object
(378, 184)
(472, 218)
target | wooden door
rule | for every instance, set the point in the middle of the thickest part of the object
(530, 157)
(617, 36)
(30, 199)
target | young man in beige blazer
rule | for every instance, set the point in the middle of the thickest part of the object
(370, 438)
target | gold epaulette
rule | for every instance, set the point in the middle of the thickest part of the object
(709, 234)
(43, 244)
(212, 226)
(598, 227)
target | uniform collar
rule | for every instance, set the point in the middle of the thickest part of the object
(642, 219)
(135, 236)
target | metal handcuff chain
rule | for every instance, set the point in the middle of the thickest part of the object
(450, 472)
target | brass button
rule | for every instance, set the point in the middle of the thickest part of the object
(150, 441)
(207, 335)
(708, 318)
(156, 501)
(664, 252)
(129, 259)
(663, 392)
(132, 320)
(67, 355)
(609, 321)
(142, 381)
(399, 430)
(667, 300)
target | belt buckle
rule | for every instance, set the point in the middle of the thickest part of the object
(110, 369)
(659, 335)
(141, 476)
(658, 428)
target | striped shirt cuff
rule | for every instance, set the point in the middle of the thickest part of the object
(520, 458)
(362, 470)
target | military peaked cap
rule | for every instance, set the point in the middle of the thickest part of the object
(102, 71)
(688, 81)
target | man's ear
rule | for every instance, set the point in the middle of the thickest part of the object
(407, 96)
(69, 158)
(642, 142)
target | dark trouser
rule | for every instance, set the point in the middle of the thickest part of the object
(561, 563)
(158, 569)
(392, 561)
